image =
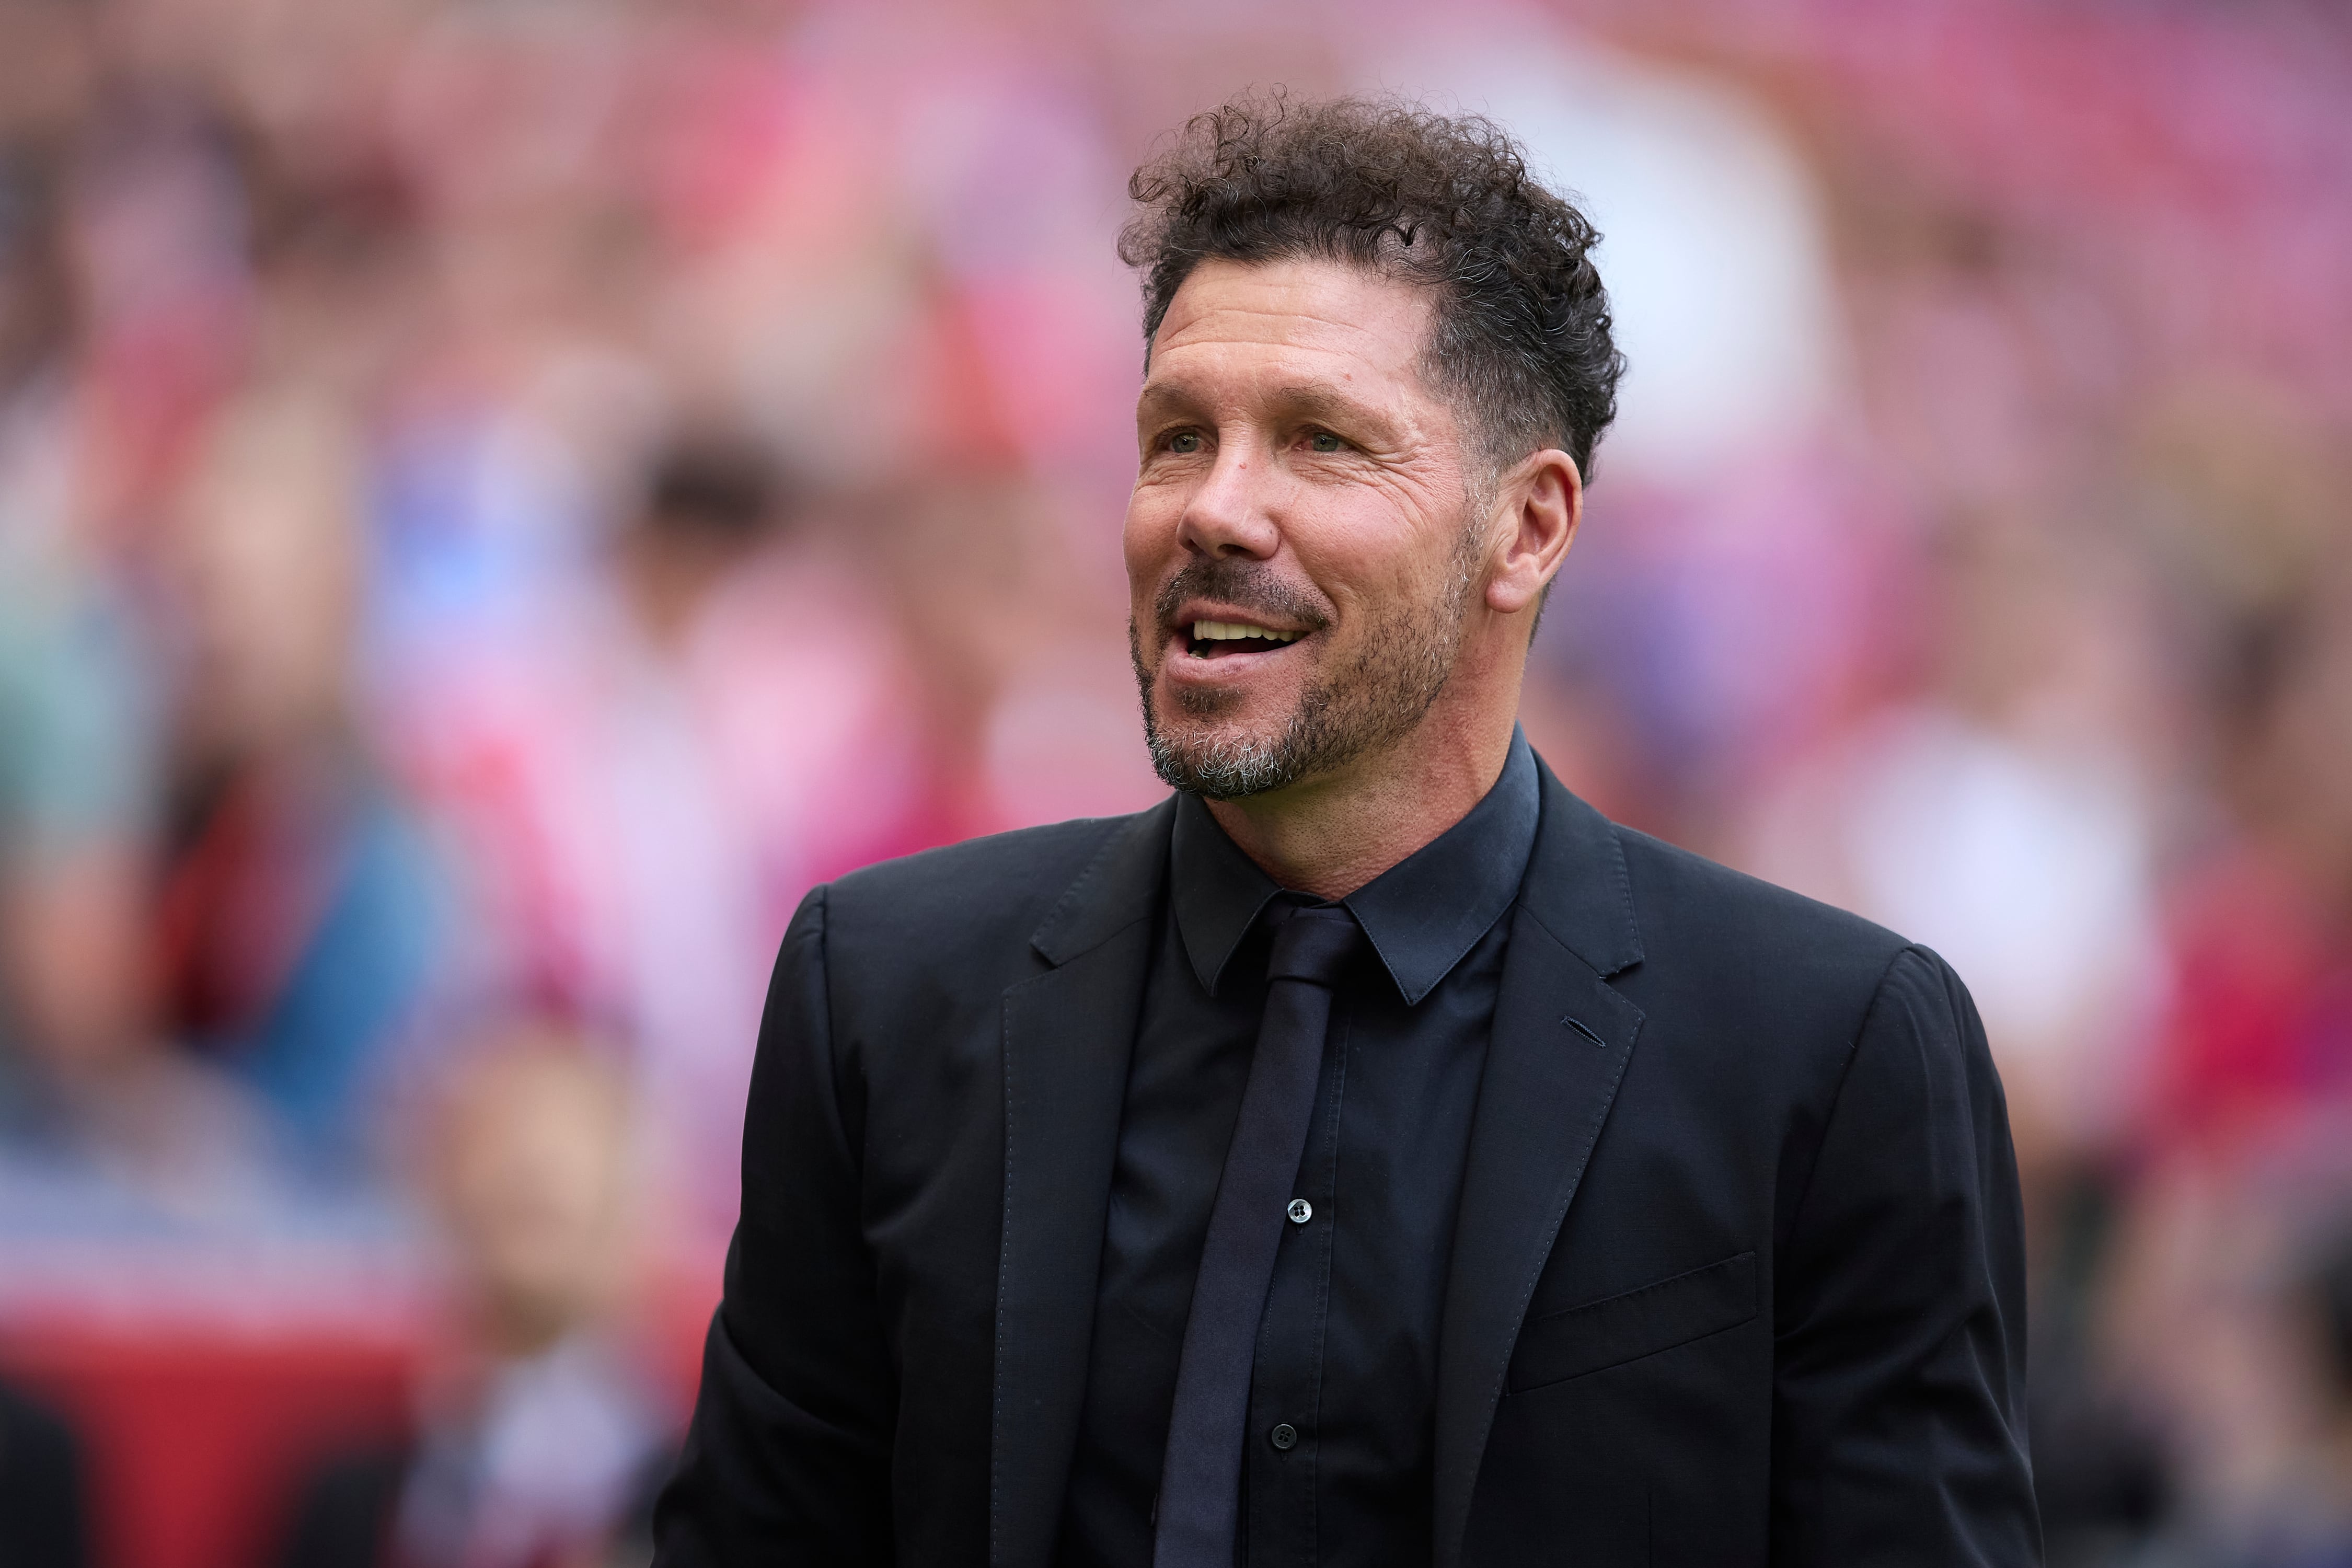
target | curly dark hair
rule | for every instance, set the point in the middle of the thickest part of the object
(1520, 337)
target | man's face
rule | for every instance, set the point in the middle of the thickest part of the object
(1299, 543)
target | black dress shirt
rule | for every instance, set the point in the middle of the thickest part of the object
(1337, 1470)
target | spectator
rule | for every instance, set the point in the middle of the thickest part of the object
(647, 780)
(88, 1086)
(537, 1440)
(301, 901)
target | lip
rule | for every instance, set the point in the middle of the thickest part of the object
(1178, 665)
(1193, 610)
(1226, 669)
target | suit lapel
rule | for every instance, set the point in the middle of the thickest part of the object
(1067, 1036)
(1560, 1044)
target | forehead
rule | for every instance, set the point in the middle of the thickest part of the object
(1316, 318)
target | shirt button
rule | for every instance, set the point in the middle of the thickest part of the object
(1285, 1437)
(1301, 1211)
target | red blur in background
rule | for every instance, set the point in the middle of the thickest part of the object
(497, 501)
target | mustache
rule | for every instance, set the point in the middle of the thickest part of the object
(1246, 585)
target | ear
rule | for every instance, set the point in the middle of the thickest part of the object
(1541, 502)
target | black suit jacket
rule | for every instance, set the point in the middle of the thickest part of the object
(1737, 1279)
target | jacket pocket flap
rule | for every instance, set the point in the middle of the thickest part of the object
(1617, 1329)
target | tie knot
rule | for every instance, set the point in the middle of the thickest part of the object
(1314, 945)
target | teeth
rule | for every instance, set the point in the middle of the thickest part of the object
(1234, 631)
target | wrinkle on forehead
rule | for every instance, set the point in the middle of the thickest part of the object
(1307, 337)
(1317, 306)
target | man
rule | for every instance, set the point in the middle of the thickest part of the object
(1371, 1155)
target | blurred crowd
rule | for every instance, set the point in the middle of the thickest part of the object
(498, 498)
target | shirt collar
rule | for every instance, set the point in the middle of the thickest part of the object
(1422, 914)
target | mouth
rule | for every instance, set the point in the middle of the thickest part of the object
(1215, 640)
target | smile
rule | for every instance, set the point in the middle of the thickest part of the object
(1216, 639)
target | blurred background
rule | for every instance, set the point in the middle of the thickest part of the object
(498, 498)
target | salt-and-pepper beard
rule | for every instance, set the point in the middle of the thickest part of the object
(1402, 664)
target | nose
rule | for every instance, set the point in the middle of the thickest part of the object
(1229, 514)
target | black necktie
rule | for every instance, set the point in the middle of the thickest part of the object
(1200, 1478)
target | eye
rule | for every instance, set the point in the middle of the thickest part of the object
(1185, 442)
(1324, 441)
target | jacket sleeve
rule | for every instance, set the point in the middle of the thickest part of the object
(789, 1454)
(1899, 1375)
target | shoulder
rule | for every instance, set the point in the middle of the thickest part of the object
(1752, 956)
(1766, 996)
(996, 891)
(1682, 899)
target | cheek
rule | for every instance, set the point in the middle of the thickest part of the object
(1371, 562)
(1149, 536)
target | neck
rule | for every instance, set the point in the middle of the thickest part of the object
(1332, 834)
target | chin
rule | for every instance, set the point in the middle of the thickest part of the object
(1222, 755)
(1221, 709)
